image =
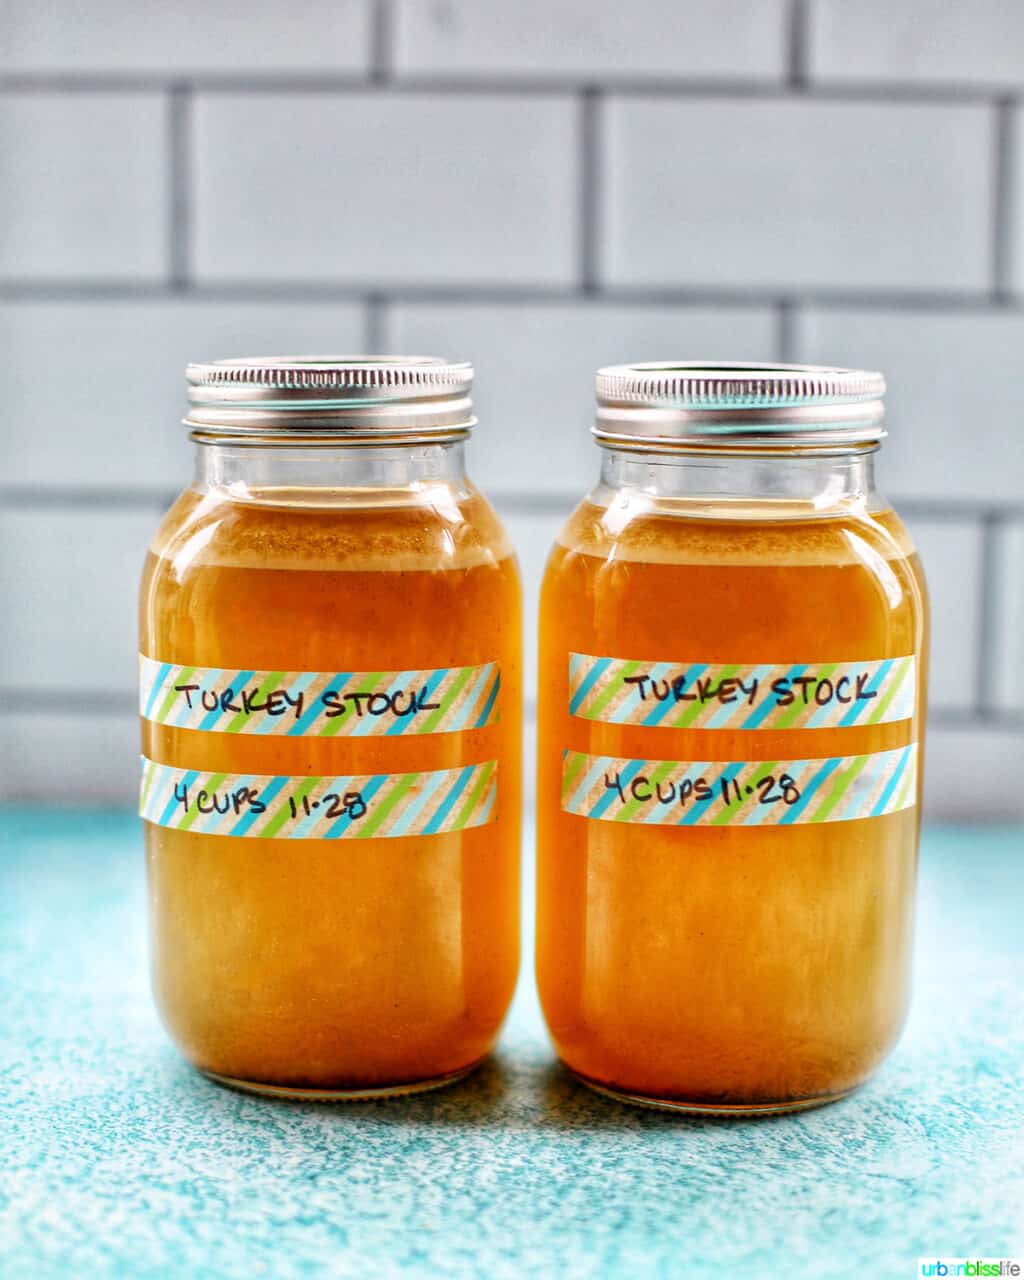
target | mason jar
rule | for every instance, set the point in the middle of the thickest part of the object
(733, 648)
(330, 700)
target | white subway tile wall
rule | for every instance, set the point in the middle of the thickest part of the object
(952, 552)
(535, 367)
(541, 187)
(69, 579)
(578, 39)
(187, 37)
(85, 186)
(917, 42)
(91, 388)
(1007, 664)
(373, 188)
(533, 535)
(955, 403)
(968, 773)
(794, 194)
(1012, 153)
(98, 755)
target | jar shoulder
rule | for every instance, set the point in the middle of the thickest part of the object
(650, 582)
(429, 527)
(674, 532)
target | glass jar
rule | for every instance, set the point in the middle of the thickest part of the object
(330, 700)
(733, 647)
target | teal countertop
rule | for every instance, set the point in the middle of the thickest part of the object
(118, 1161)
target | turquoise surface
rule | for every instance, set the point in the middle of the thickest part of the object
(118, 1161)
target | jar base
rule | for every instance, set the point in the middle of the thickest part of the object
(722, 1109)
(293, 1093)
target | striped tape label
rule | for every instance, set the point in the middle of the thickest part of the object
(719, 695)
(296, 808)
(321, 704)
(717, 793)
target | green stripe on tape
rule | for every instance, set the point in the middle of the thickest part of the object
(572, 769)
(659, 775)
(387, 804)
(734, 807)
(148, 774)
(457, 686)
(477, 792)
(599, 704)
(790, 713)
(895, 685)
(273, 678)
(365, 686)
(280, 818)
(168, 701)
(211, 785)
(691, 712)
(840, 787)
(908, 782)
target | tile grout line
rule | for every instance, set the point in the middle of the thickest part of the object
(1003, 200)
(179, 186)
(786, 331)
(589, 195)
(987, 656)
(382, 19)
(37, 497)
(375, 324)
(243, 290)
(797, 40)
(48, 701)
(382, 79)
(956, 509)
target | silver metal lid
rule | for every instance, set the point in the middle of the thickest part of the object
(355, 397)
(697, 404)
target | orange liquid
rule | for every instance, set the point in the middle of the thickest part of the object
(724, 966)
(335, 965)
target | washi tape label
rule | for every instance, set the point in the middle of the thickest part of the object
(716, 793)
(313, 808)
(320, 704)
(717, 695)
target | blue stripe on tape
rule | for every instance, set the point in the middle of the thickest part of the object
(828, 767)
(699, 806)
(897, 773)
(593, 675)
(661, 809)
(266, 796)
(299, 686)
(485, 714)
(470, 701)
(398, 685)
(690, 675)
(769, 705)
(238, 683)
(317, 707)
(579, 796)
(857, 709)
(625, 775)
(172, 803)
(428, 786)
(368, 792)
(446, 805)
(158, 681)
